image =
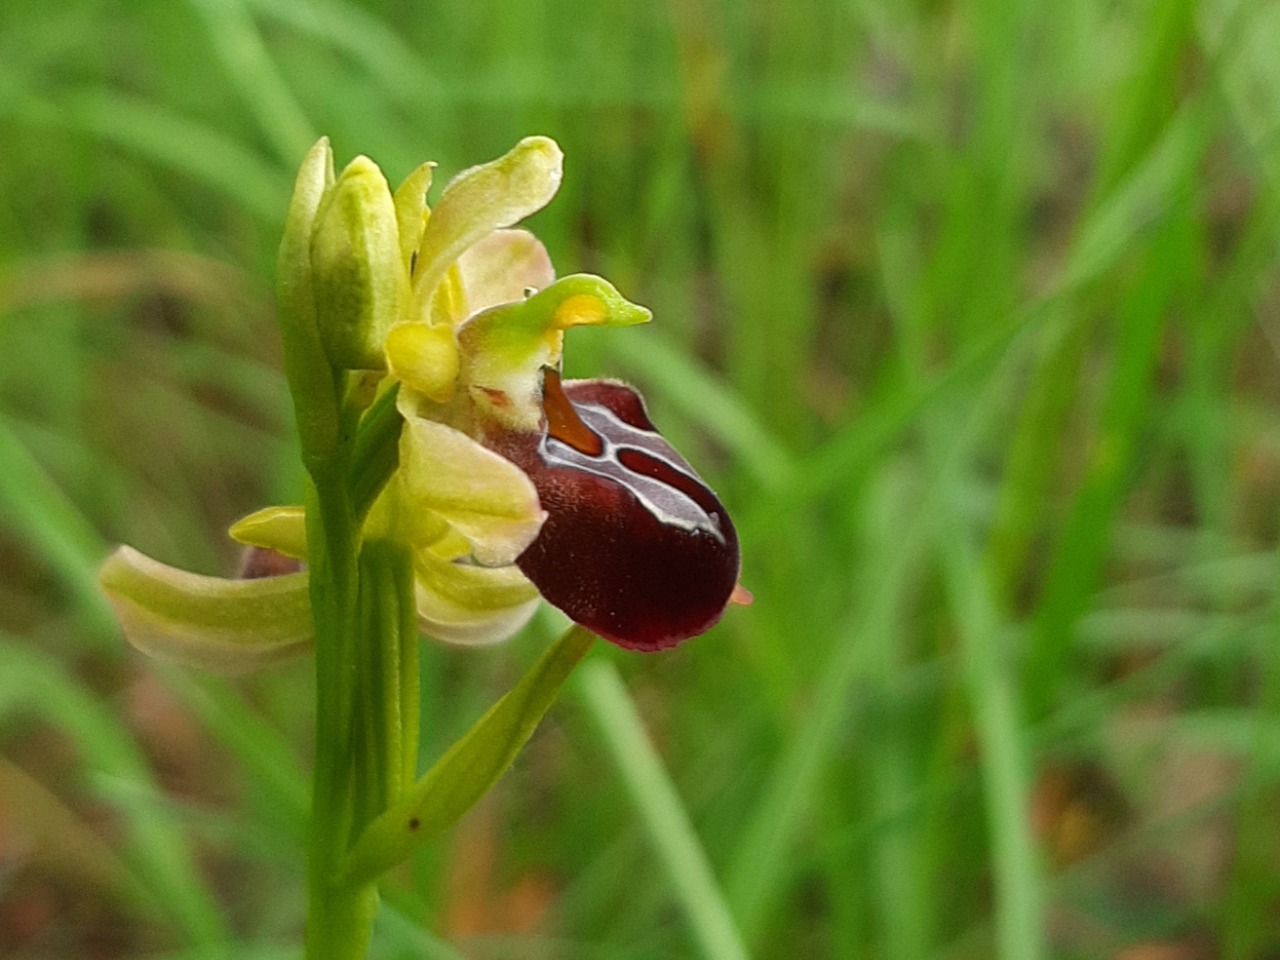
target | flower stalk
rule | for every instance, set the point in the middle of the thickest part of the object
(339, 915)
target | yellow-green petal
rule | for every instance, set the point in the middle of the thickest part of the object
(483, 199)
(467, 604)
(411, 210)
(504, 267)
(229, 626)
(483, 496)
(283, 529)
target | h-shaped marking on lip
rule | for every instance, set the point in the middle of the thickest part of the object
(594, 439)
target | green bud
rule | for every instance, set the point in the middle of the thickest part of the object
(360, 279)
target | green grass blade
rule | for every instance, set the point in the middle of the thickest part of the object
(52, 526)
(248, 66)
(1019, 892)
(170, 139)
(665, 817)
(759, 872)
(160, 852)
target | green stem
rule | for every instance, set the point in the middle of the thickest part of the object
(376, 452)
(360, 723)
(410, 686)
(388, 707)
(340, 921)
(339, 915)
(367, 798)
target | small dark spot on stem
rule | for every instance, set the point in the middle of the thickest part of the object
(414, 823)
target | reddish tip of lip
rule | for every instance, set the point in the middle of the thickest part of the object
(741, 596)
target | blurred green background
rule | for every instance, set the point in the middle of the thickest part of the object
(969, 311)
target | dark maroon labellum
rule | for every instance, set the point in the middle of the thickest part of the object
(635, 546)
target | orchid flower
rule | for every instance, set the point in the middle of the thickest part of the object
(507, 484)
(453, 479)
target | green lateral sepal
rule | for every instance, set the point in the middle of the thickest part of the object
(228, 626)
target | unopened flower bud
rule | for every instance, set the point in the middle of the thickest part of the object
(359, 275)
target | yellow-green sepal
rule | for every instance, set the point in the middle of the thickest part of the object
(484, 497)
(460, 602)
(483, 199)
(228, 626)
(504, 267)
(306, 361)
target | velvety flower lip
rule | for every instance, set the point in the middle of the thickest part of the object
(635, 547)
